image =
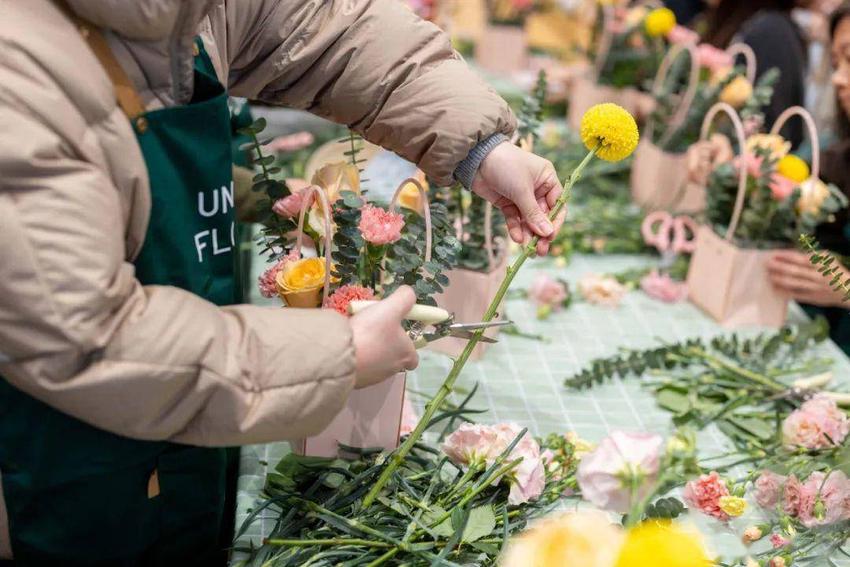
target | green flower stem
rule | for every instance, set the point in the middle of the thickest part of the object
(735, 369)
(325, 542)
(384, 558)
(478, 490)
(437, 401)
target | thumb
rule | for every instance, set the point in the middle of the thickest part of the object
(532, 214)
(400, 302)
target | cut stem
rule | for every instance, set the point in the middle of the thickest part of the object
(446, 388)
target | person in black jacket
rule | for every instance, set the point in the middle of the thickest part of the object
(767, 27)
(686, 10)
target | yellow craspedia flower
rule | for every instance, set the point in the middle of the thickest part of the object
(300, 282)
(662, 544)
(733, 505)
(659, 22)
(611, 129)
(793, 168)
(737, 93)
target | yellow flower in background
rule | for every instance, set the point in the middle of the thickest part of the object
(334, 178)
(300, 282)
(662, 544)
(773, 143)
(409, 197)
(812, 195)
(611, 129)
(635, 16)
(737, 93)
(581, 539)
(733, 505)
(793, 168)
(580, 446)
(659, 22)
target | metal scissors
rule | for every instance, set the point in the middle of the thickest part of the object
(671, 236)
(441, 321)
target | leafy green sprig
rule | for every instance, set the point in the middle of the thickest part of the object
(827, 264)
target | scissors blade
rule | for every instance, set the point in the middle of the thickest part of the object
(464, 335)
(476, 326)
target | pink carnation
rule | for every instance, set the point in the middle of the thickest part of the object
(379, 226)
(605, 474)
(705, 493)
(712, 58)
(752, 163)
(340, 299)
(266, 282)
(680, 35)
(291, 142)
(829, 493)
(781, 187)
(768, 489)
(289, 206)
(792, 495)
(482, 444)
(547, 291)
(663, 287)
(818, 424)
(778, 542)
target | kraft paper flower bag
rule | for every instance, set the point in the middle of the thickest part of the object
(768, 197)
(629, 47)
(502, 47)
(483, 265)
(660, 174)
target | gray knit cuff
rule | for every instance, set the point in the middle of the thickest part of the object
(467, 169)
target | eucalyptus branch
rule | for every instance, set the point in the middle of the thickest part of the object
(528, 251)
(827, 264)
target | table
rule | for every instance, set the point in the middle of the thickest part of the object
(521, 380)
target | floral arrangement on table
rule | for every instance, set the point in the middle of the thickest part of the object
(374, 249)
(720, 80)
(639, 38)
(450, 503)
(781, 200)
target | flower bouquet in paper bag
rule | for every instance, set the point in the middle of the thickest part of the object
(630, 44)
(690, 81)
(759, 201)
(364, 251)
(502, 47)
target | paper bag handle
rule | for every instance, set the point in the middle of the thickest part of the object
(687, 98)
(813, 134)
(426, 211)
(749, 56)
(326, 213)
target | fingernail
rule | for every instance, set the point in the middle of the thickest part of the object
(545, 227)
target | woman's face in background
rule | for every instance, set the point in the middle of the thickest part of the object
(841, 63)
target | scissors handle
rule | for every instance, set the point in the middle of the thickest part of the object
(425, 314)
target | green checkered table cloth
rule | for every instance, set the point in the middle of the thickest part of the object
(521, 380)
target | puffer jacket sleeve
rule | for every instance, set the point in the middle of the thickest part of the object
(370, 64)
(80, 333)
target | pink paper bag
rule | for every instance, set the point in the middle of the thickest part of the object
(371, 418)
(659, 181)
(586, 93)
(502, 49)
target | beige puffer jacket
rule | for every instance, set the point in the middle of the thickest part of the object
(77, 330)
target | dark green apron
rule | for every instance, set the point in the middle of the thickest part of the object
(77, 495)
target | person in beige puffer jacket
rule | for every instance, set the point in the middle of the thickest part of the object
(82, 336)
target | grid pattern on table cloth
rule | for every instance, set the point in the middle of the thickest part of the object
(521, 380)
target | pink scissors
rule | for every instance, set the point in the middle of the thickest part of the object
(670, 235)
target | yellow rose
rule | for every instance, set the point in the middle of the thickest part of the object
(773, 143)
(662, 543)
(812, 196)
(586, 539)
(300, 282)
(659, 22)
(733, 505)
(334, 178)
(737, 93)
(793, 168)
(410, 197)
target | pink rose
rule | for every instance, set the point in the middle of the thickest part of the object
(768, 489)
(792, 494)
(344, 295)
(547, 291)
(601, 290)
(379, 226)
(752, 163)
(778, 542)
(818, 424)
(825, 499)
(713, 59)
(604, 475)
(409, 419)
(482, 444)
(289, 207)
(291, 142)
(781, 187)
(704, 494)
(663, 287)
(680, 35)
